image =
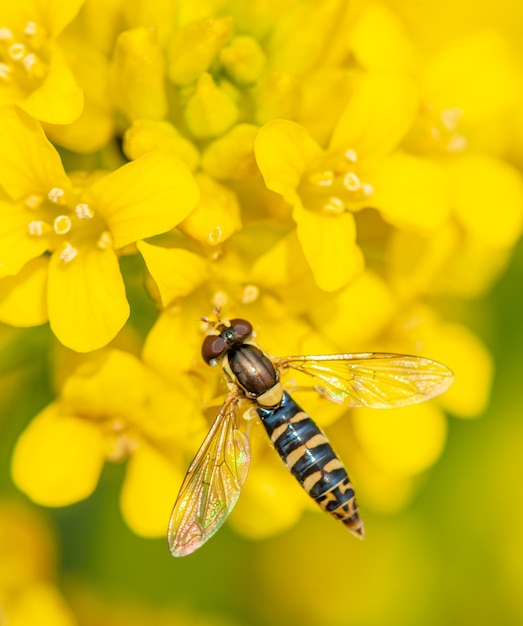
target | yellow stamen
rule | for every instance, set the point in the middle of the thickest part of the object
(215, 236)
(105, 241)
(30, 29)
(56, 195)
(68, 253)
(17, 51)
(250, 294)
(334, 205)
(62, 225)
(351, 181)
(5, 70)
(83, 211)
(33, 201)
(37, 228)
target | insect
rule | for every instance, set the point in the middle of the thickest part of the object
(215, 477)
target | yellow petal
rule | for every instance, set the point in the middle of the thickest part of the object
(17, 246)
(231, 156)
(489, 199)
(377, 117)
(301, 35)
(94, 128)
(29, 164)
(175, 333)
(58, 100)
(328, 242)
(282, 265)
(284, 153)
(411, 192)
(468, 358)
(216, 216)
(109, 383)
(149, 491)
(58, 458)
(146, 197)
(405, 443)
(357, 315)
(86, 299)
(475, 72)
(421, 332)
(40, 603)
(379, 41)
(176, 271)
(418, 265)
(149, 135)
(55, 14)
(23, 298)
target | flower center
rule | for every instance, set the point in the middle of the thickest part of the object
(336, 186)
(23, 56)
(66, 223)
(438, 131)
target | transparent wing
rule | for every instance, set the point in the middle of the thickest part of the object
(212, 484)
(376, 380)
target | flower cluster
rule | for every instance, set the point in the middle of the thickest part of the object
(301, 164)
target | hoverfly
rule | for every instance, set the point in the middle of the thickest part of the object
(215, 477)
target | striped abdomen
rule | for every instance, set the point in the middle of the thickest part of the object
(309, 456)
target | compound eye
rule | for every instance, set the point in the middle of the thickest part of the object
(213, 347)
(242, 328)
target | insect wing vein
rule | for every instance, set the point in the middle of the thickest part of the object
(212, 484)
(374, 380)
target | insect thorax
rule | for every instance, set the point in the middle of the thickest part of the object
(253, 371)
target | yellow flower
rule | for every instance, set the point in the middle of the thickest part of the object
(28, 591)
(84, 222)
(112, 407)
(33, 73)
(359, 169)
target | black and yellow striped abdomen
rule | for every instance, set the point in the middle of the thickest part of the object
(309, 456)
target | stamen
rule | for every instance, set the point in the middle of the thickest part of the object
(334, 205)
(30, 29)
(351, 181)
(29, 61)
(105, 240)
(62, 225)
(450, 118)
(219, 299)
(367, 189)
(33, 201)
(17, 51)
(83, 211)
(458, 143)
(322, 179)
(351, 155)
(5, 70)
(250, 294)
(37, 228)
(215, 236)
(56, 194)
(5, 34)
(68, 253)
